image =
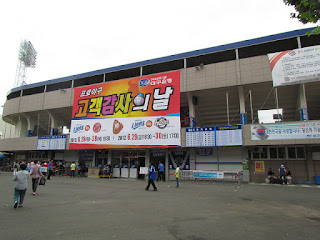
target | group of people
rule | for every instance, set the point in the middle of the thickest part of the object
(21, 177)
(22, 172)
(284, 175)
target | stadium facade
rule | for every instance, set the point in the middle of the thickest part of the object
(217, 94)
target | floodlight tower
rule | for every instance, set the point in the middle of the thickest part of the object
(27, 59)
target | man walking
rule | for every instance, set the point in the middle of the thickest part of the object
(50, 166)
(282, 172)
(73, 169)
(177, 174)
(152, 177)
(161, 172)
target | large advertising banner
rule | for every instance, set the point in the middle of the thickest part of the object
(135, 113)
(295, 66)
(299, 130)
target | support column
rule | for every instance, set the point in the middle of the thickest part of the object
(304, 115)
(109, 156)
(53, 125)
(21, 127)
(31, 125)
(192, 111)
(192, 158)
(167, 165)
(242, 103)
(310, 165)
(147, 160)
(18, 127)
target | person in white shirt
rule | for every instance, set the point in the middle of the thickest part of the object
(20, 189)
(72, 169)
(177, 174)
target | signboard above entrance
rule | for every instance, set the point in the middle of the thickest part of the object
(135, 113)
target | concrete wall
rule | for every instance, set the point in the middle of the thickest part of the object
(298, 170)
(19, 144)
(223, 74)
(58, 99)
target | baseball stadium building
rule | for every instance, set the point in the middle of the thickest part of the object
(250, 105)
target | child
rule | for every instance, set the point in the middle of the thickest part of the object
(21, 178)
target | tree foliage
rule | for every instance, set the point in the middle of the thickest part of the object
(308, 11)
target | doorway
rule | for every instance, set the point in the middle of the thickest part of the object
(127, 163)
(158, 156)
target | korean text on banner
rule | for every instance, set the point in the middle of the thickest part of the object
(299, 130)
(296, 66)
(134, 113)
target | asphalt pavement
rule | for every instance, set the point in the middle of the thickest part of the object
(85, 208)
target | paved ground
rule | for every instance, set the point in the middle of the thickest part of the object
(83, 208)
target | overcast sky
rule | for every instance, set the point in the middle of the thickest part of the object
(73, 37)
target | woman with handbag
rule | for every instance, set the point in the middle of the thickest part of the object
(35, 173)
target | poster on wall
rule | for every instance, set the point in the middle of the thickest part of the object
(135, 113)
(295, 66)
(214, 136)
(298, 130)
(259, 167)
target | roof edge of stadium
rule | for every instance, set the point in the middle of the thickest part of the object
(245, 43)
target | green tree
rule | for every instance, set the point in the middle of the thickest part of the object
(308, 11)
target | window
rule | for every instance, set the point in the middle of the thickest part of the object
(301, 152)
(273, 153)
(31, 91)
(264, 153)
(14, 95)
(57, 86)
(256, 155)
(268, 47)
(277, 153)
(281, 153)
(292, 152)
(88, 80)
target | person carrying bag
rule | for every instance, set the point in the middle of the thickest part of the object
(35, 173)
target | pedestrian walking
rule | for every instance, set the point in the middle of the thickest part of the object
(50, 166)
(282, 172)
(152, 176)
(21, 178)
(15, 168)
(177, 174)
(73, 169)
(35, 174)
(161, 172)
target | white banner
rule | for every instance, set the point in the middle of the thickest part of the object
(296, 66)
(299, 130)
(135, 131)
